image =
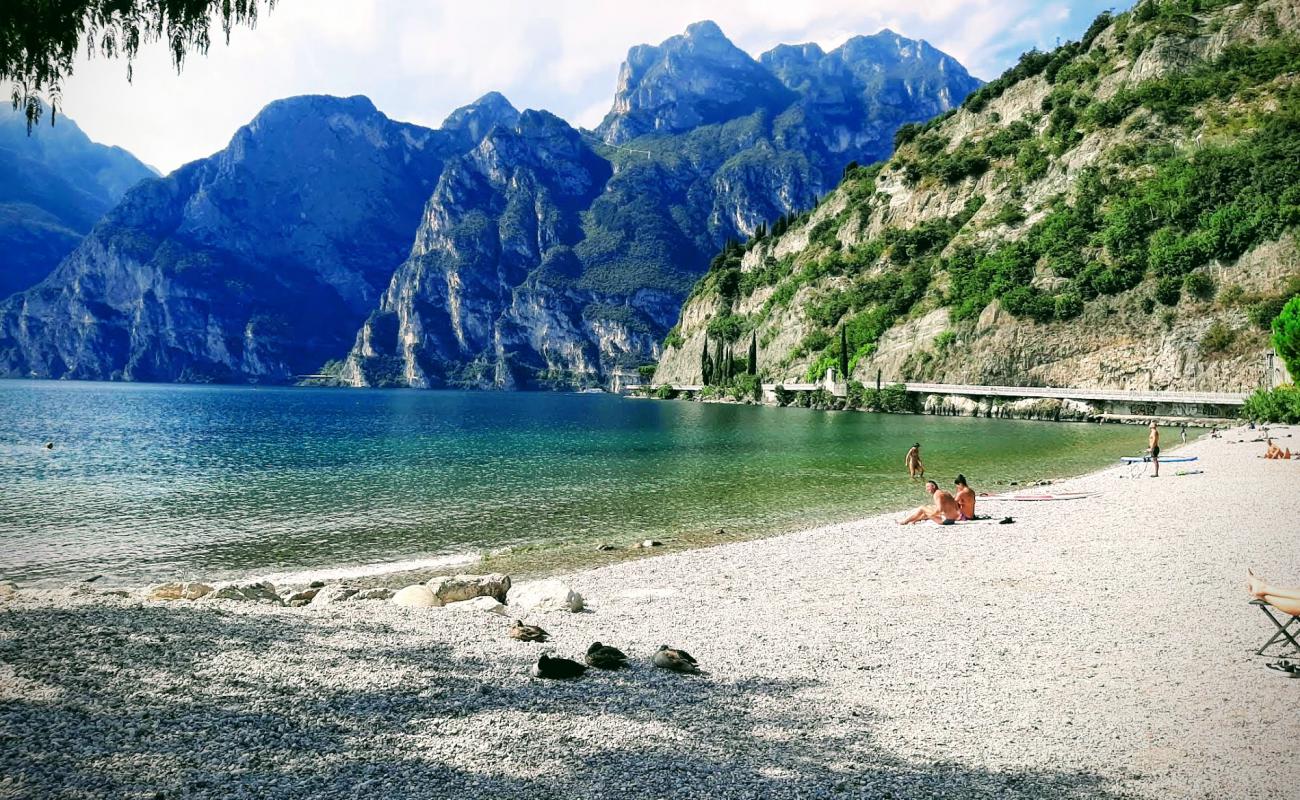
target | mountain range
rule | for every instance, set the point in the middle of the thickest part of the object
(504, 249)
(54, 184)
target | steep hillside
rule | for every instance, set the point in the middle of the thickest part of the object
(548, 255)
(54, 185)
(252, 265)
(1120, 212)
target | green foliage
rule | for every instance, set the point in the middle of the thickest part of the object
(1286, 336)
(783, 395)
(1218, 338)
(728, 327)
(626, 316)
(39, 47)
(1030, 64)
(747, 387)
(1199, 285)
(943, 341)
(1169, 290)
(666, 392)
(1280, 405)
(892, 398)
(674, 337)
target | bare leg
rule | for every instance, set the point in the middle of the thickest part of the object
(921, 513)
(1289, 605)
(1258, 587)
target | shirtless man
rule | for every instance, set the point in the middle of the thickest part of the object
(913, 462)
(965, 498)
(1153, 445)
(945, 510)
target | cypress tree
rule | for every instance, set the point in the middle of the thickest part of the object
(706, 368)
(844, 352)
(753, 353)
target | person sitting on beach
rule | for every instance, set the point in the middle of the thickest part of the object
(913, 462)
(945, 510)
(1274, 451)
(965, 498)
(1283, 598)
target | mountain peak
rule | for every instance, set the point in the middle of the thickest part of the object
(695, 78)
(480, 116)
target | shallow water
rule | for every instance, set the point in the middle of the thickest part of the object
(150, 482)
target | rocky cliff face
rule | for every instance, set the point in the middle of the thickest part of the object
(252, 265)
(1117, 213)
(54, 184)
(548, 256)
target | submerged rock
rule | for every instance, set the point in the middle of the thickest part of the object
(551, 594)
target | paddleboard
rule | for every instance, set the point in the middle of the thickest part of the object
(1042, 497)
(1163, 460)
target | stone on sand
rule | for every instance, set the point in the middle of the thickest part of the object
(417, 596)
(456, 588)
(551, 594)
(486, 604)
(180, 591)
(252, 592)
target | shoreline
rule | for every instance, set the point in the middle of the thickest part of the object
(534, 560)
(856, 659)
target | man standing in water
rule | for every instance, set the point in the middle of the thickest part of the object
(913, 462)
(1153, 445)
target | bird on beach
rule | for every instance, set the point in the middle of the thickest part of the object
(559, 668)
(527, 633)
(676, 660)
(602, 656)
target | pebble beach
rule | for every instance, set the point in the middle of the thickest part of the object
(1099, 647)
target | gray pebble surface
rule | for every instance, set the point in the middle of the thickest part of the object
(1098, 648)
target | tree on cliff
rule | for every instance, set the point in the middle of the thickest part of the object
(1286, 336)
(39, 39)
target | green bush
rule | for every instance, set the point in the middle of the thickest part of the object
(1286, 336)
(1199, 285)
(1279, 405)
(1169, 290)
(666, 392)
(1218, 338)
(747, 387)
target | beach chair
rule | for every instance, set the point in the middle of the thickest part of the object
(1283, 632)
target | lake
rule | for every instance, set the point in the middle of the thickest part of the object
(155, 482)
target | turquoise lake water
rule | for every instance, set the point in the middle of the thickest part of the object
(153, 482)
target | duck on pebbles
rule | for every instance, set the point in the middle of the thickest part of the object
(676, 660)
(557, 668)
(602, 656)
(527, 633)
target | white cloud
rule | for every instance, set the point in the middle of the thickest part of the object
(419, 60)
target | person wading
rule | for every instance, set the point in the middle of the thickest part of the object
(913, 463)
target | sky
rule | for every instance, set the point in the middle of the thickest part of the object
(420, 59)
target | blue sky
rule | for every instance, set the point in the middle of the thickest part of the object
(419, 59)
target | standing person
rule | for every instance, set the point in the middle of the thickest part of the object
(913, 462)
(1182, 432)
(1153, 446)
(965, 498)
(944, 511)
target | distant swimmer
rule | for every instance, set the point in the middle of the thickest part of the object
(965, 498)
(913, 462)
(1153, 446)
(945, 510)
(49, 445)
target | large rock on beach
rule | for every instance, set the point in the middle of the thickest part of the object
(417, 596)
(333, 594)
(180, 591)
(457, 588)
(551, 594)
(254, 592)
(486, 604)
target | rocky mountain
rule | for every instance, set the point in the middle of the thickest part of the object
(255, 264)
(54, 184)
(1119, 212)
(548, 255)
